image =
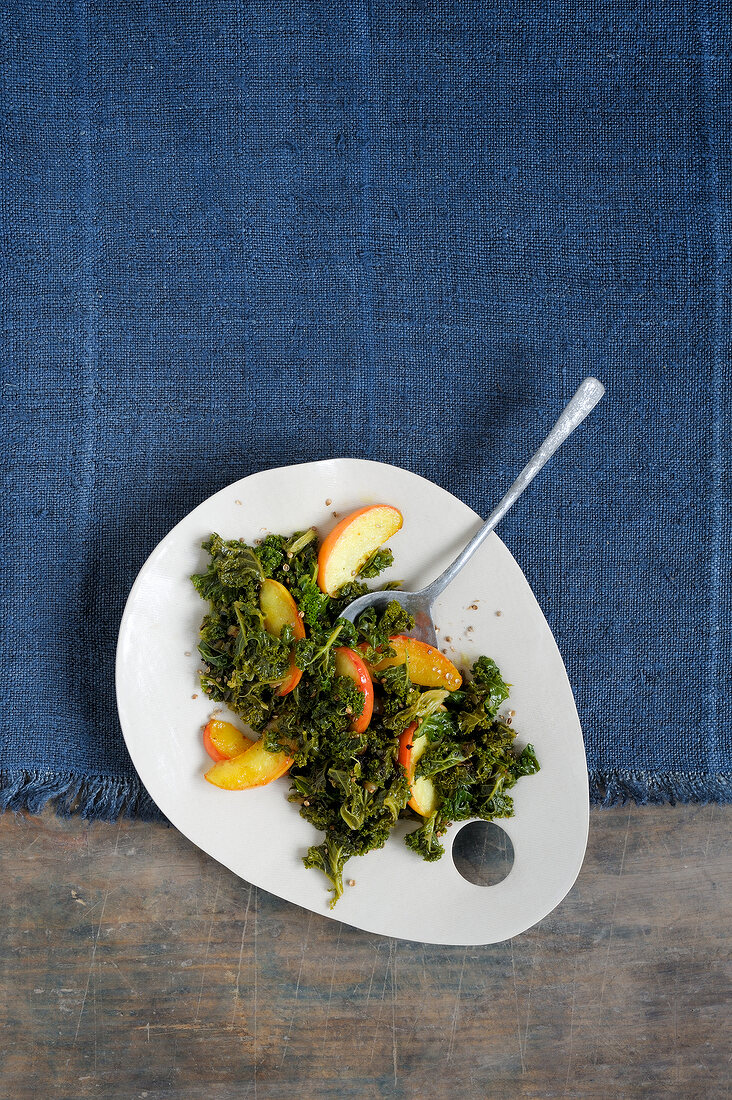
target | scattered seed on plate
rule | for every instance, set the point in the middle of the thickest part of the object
(351, 882)
(187, 653)
(328, 502)
(194, 696)
(237, 502)
(499, 613)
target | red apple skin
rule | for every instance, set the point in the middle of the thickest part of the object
(423, 796)
(344, 544)
(349, 663)
(222, 740)
(293, 679)
(427, 666)
(279, 609)
(405, 748)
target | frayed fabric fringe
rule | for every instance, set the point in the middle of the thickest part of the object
(101, 798)
(97, 798)
(621, 785)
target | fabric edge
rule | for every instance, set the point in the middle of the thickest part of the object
(617, 786)
(94, 797)
(105, 798)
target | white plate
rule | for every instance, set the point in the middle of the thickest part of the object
(258, 834)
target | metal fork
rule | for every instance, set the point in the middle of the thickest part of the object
(419, 604)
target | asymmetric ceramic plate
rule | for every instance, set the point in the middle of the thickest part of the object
(258, 834)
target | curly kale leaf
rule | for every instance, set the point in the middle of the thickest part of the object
(477, 703)
(376, 630)
(354, 809)
(416, 706)
(377, 563)
(440, 758)
(330, 857)
(399, 696)
(527, 763)
(345, 595)
(288, 559)
(393, 799)
(234, 572)
(313, 604)
(271, 555)
(315, 654)
(379, 758)
(458, 805)
(487, 684)
(252, 702)
(314, 722)
(494, 803)
(364, 823)
(424, 840)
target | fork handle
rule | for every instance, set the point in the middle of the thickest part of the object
(583, 402)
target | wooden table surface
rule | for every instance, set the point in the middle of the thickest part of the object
(132, 965)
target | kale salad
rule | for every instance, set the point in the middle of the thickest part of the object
(370, 725)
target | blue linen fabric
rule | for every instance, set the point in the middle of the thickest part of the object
(242, 234)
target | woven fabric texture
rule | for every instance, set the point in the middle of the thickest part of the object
(242, 234)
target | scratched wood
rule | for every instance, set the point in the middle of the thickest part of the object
(131, 965)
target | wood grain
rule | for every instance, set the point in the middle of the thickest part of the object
(131, 965)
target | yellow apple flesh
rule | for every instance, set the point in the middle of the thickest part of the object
(426, 665)
(253, 768)
(221, 740)
(352, 542)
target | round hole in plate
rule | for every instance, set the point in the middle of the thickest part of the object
(483, 853)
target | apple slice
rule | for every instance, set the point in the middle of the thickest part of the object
(221, 740)
(348, 663)
(279, 609)
(352, 541)
(423, 796)
(252, 768)
(427, 666)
